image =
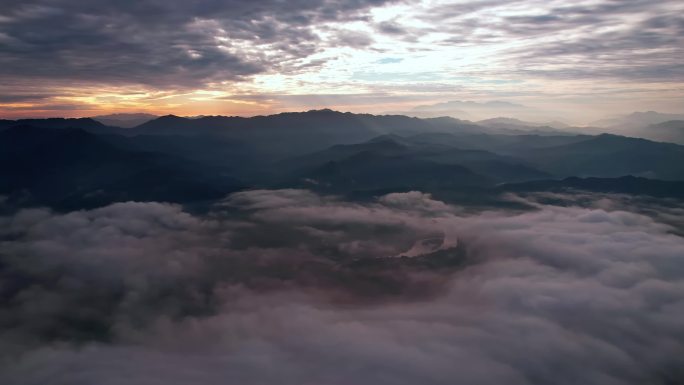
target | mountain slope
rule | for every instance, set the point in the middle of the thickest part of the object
(611, 156)
(494, 167)
(638, 120)
(73, 168)
(369, 172)
(671, 131)
(124, 120)
(500, 144)
(290, 134)
(86, 124)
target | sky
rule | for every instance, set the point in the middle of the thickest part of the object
(574, 61)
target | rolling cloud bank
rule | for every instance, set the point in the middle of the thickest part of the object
(294, 287)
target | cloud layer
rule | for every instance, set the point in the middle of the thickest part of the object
(311, 288)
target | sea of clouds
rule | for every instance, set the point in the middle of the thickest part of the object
(291, 287)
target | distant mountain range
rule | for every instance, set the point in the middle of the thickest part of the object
(124, 120)
(670, 131)
(551, 127)
(392, 156)
(468, 109)
(608, 155)
(648, 125)
(85, 163)
(637, 120)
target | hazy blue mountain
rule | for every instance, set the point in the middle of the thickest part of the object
(501, 144)
(610, 156)
(511, 124)
(504, 121)
(580, 155)
(369, 172)
(124, 120)
(468, 109)
(390, 162)
(637, 120)
(382, 145)
(507, 122)
(450, 125)
(671, 131)
(289, 134)
(496, 126)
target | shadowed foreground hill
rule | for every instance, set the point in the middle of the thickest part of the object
(73, 168)
(368, 171)
(372, 164)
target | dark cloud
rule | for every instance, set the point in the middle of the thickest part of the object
(634, 40)
(18, 98)
(646, 51)
(50, 107)
(164, 43)
(142, 293)
(391, 28)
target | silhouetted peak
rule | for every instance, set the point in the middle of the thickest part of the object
(166, 120)
(171, 117)
(323, 111)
